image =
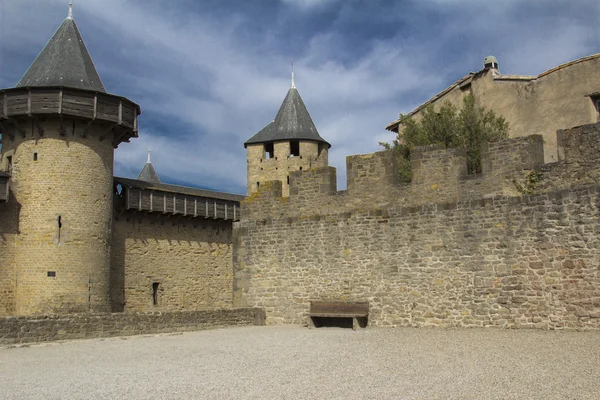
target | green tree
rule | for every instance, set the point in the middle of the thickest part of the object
(470, 127)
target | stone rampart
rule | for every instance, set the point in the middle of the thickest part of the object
(85, 326)
(447, 250)
(439, 175)
(579, 154)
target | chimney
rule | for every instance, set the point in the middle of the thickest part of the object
(490, 62)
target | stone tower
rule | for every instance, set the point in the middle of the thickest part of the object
(59, 131)
(289, 143)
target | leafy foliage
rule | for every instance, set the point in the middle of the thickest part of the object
(530, 183)
(470, 127)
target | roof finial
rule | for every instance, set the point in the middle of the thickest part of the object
(148, 156)
(293, 83)
(70, 15)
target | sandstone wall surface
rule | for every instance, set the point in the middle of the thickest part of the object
(9, 228)
(539, 105)
(261, 169)
(86, 326)
(432, 254)
(61, 200)
(439, 175)
(189, 259)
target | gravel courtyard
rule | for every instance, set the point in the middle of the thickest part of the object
(298, 363)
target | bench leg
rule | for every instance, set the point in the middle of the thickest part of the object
(355, 325)
(311, 323)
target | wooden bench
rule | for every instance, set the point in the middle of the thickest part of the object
(358, 311)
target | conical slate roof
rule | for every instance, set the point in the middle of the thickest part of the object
(64, 61)
(293, 122)
(148, 174)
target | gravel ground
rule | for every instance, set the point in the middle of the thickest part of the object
(298, 363)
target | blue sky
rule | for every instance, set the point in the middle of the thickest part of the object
(209, 74)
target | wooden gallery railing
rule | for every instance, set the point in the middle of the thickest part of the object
(157, 201)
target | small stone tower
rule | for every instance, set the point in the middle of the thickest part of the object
(290, 143)
(59, 131)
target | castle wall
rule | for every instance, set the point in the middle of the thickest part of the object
(9, 227)
(85, 326)
(7, 266)
(190, 259)
(58, 269)
(7, 278)
(372, 181)
(539, 105)
(479, 255)
(262, 169)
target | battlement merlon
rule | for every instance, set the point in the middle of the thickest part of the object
(580, 144)
(439, 176)
(313, 183)
(372, 171)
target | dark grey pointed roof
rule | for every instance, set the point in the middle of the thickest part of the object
(293, 122)
(148, 174)
(64, 61)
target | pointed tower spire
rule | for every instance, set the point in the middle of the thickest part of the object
(148, 174)
(293, 82)
(292, 122)
(64, 61)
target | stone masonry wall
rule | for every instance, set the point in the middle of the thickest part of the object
(9, 227)
(556, 99)
(86, 326)
(579, 150)
(262, 169)
(479, 256)
(190, 259)
(61, 202)
(439, 175)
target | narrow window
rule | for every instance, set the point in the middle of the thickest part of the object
(294, 148)
(9, 163)
(288, 179)
(34, 156)
(300, 168)
(269, 150)
(595, 97)
(51, 274)
(59, 221)
(257, 185)
(155, 293)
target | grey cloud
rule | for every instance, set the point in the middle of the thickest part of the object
(216, 86)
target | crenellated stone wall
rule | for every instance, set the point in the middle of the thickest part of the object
(372, 182)
(447, 250)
